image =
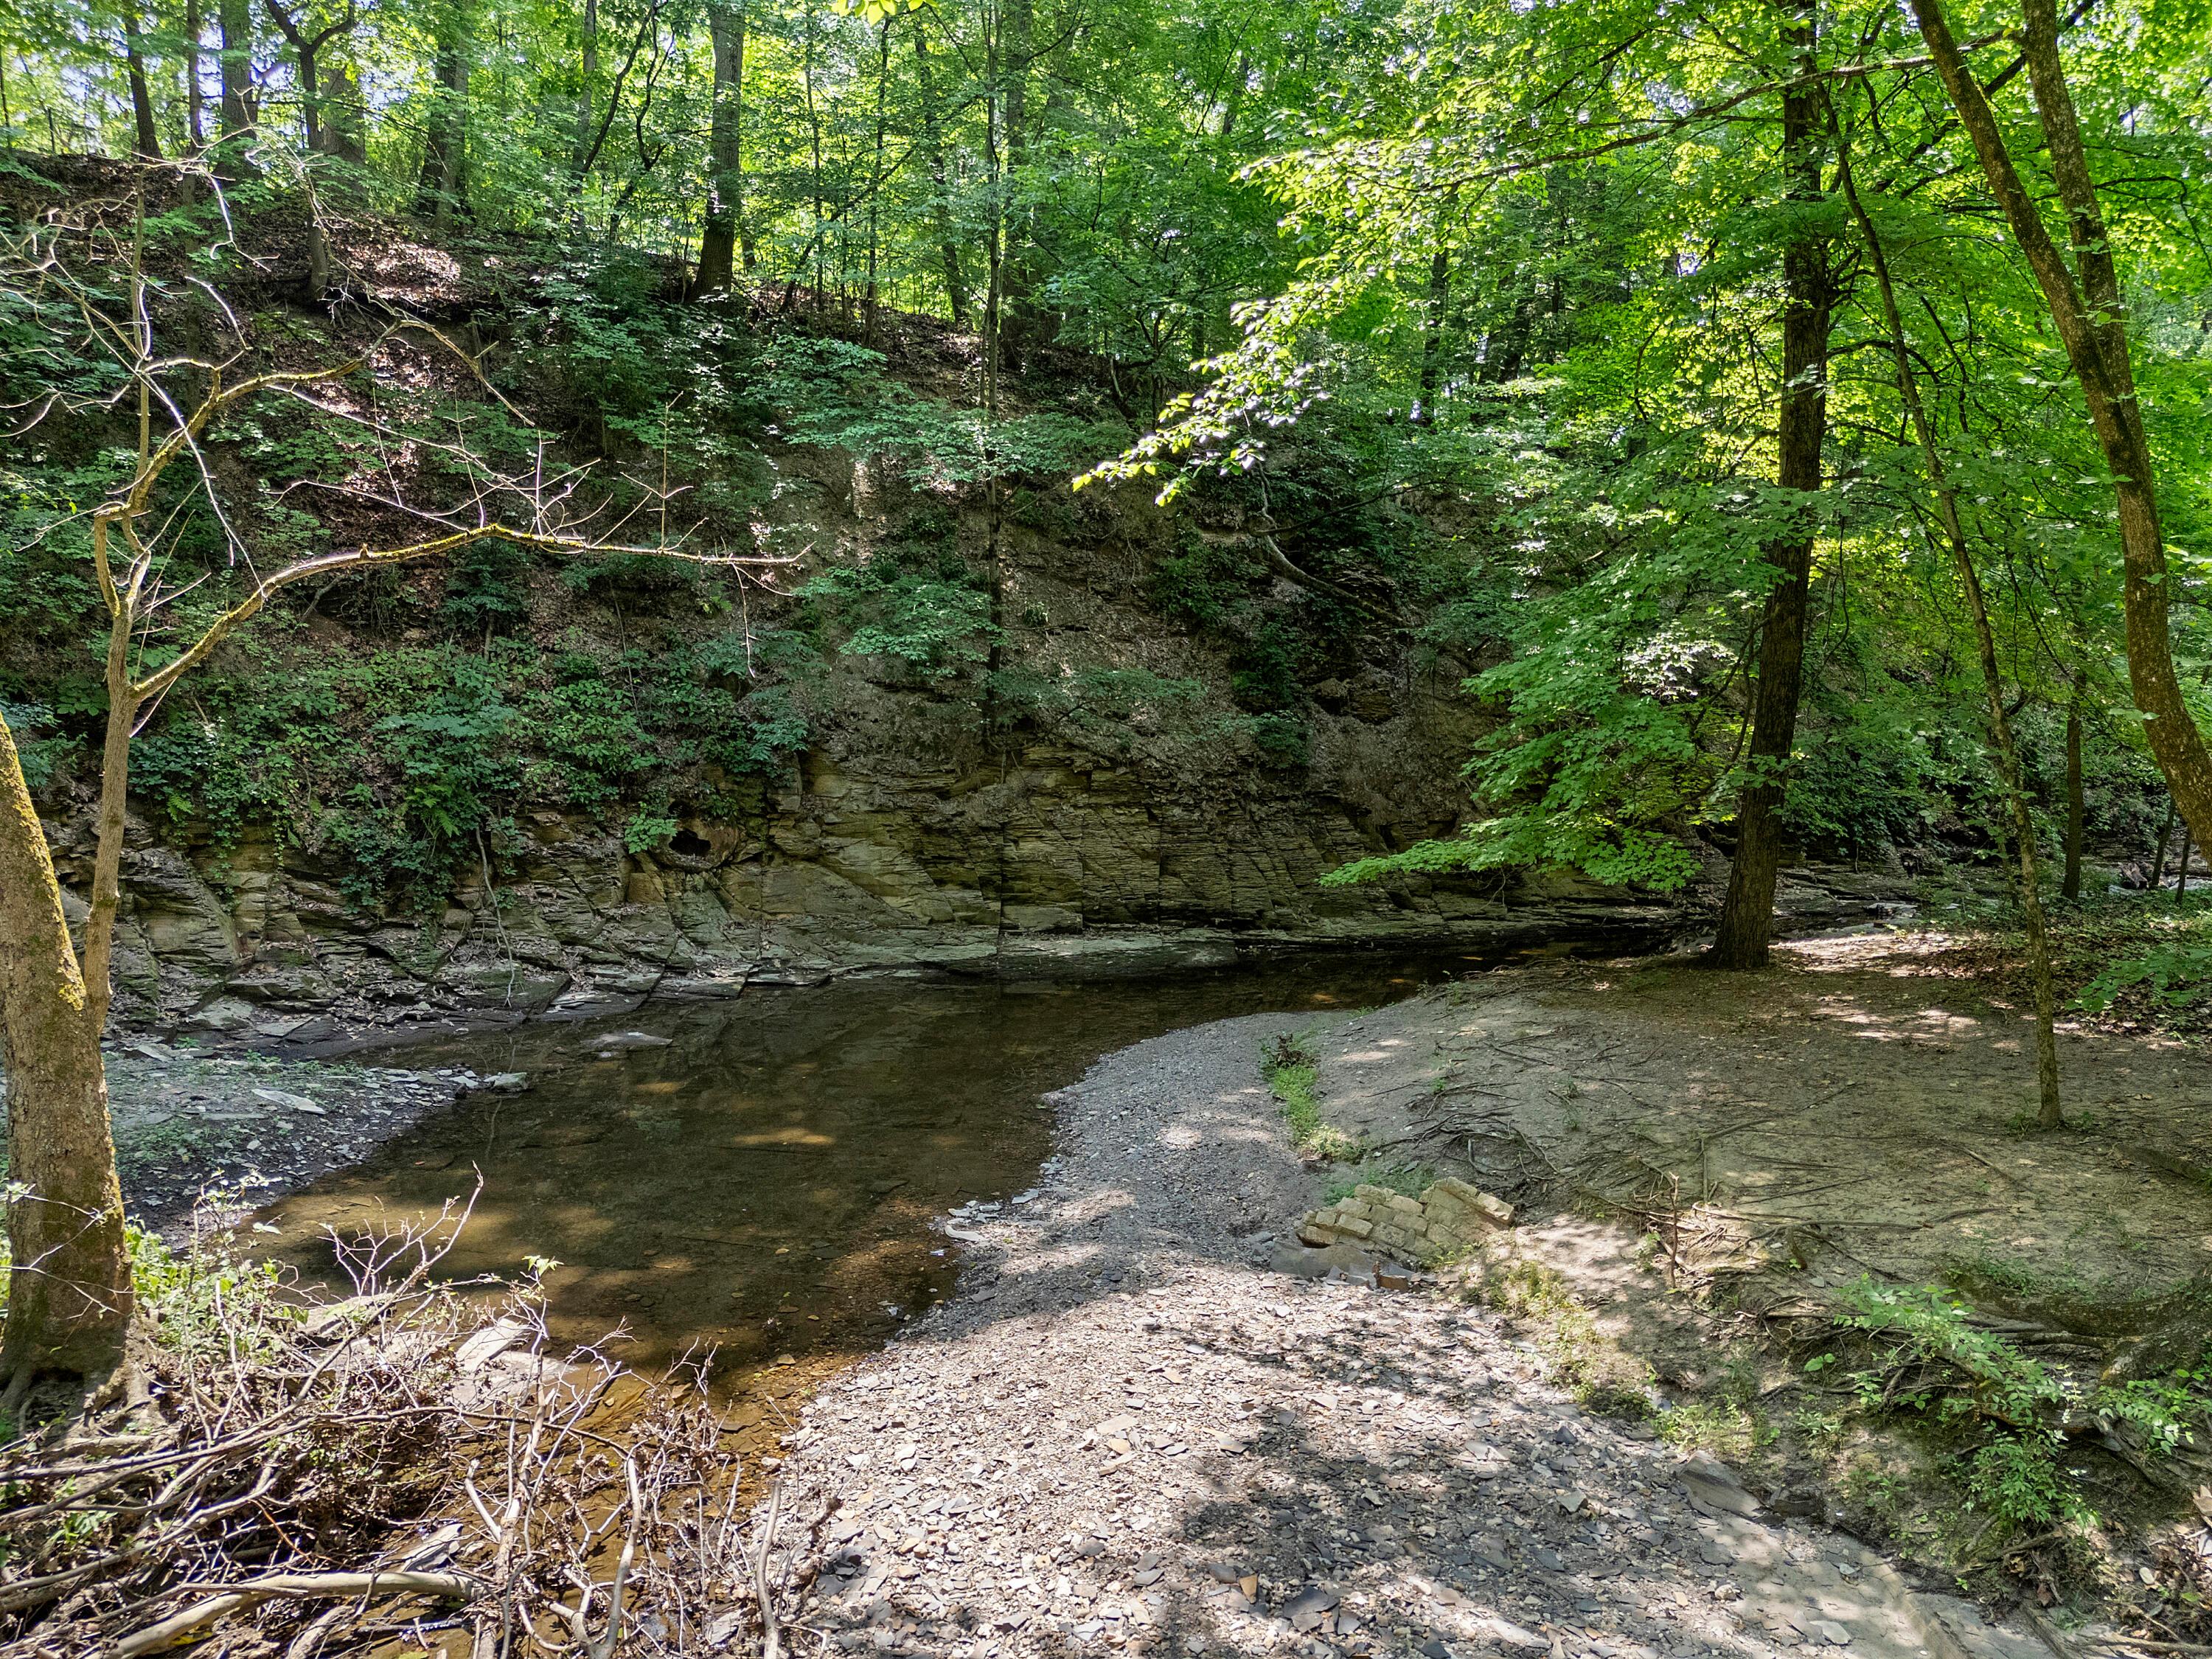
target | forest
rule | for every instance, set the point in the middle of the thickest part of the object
(528, 519)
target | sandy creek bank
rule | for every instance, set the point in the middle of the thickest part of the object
(1855, 1111)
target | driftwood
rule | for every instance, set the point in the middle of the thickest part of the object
(292, 1586)
(258, 1499)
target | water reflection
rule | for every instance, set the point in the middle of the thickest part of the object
(760, 1183)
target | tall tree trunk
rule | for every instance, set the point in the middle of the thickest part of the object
(579, 156)
(2049, 1112)
(195, 93)
(2092, 324)
(718, 242)
(1233, 106)
(994, 317)
(591, 134)
(308, 43)
(1746, 923)
(1016, 24)
(69, 1287)
(940, 199)
(1019, 325)
(311, 97)
(234, 21)
(876, 168)
(146, 143)
(2158, 859)
(2069, 888)
(442, 191)
(342, 122)
(821, 237)
(1432, 337)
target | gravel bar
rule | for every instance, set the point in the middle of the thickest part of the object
(1126, 1433)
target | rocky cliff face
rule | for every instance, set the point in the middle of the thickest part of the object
(888, 850)
(921, 827)
(1005, 729)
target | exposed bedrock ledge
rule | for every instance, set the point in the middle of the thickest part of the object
(896, 846)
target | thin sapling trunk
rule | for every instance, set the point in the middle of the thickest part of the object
(2049, 1115)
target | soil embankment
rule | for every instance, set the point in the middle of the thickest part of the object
(1857, 1112)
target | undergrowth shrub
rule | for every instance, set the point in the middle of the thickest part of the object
(406, 764)
(2174, 972)
(1863, 780)
(933, 623)
(1198, 582)
(40, 757)
(835, 394)
(1282, 740)
(2017, 1480)
(2014, 1421)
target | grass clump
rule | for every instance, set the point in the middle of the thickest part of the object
(1602, 1376)
(1292, 1071)
(1410, 1179)
(1730, 1421)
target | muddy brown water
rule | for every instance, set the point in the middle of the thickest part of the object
(762, 1186)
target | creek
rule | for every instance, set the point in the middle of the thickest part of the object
(756, 1180)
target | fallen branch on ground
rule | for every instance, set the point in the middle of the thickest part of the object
(302, 1493)
(447, 1586)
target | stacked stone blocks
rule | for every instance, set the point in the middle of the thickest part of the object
(1446, 1219)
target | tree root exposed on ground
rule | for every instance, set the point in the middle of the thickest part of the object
(308, 1482)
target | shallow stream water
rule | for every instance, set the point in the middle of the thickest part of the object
(761, 1186)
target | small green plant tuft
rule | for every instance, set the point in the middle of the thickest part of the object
(647, 830)
(1411, 1179)
(2017, 1479)
(1602, 1376)
(1288, 1064)
(1729, 1420)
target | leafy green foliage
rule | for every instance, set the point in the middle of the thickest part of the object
(1865, 779)
(1366, 284)
(1264, 671)
(2175, 971)
(1603, 847)
(1566, 349)
(937, 624)
(842, 400)
(2015, 1412)
(647, 830)
(40, 757)
(1934, 1327)
(1199, 582)
(405, 765)
(2018, 1481)
(1281, 739)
